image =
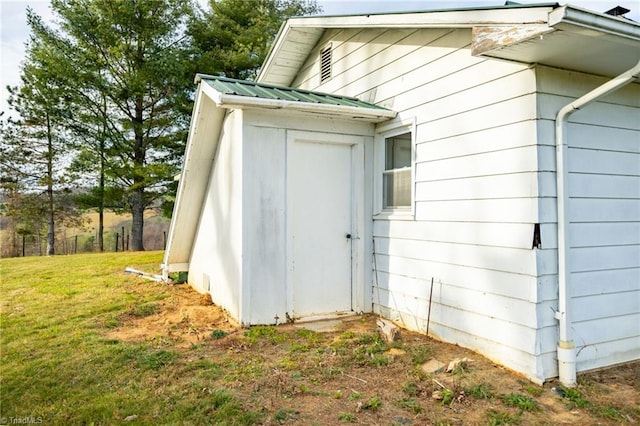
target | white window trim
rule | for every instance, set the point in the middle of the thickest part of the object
(382, 134)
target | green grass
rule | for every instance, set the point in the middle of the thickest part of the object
(57, 364)
(64, 359)
(522, 402)
(480, 391)
(497, 418)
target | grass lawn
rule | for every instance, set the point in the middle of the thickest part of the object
(58, 366)
(83, 343)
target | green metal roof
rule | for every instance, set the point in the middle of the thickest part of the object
(230, 86)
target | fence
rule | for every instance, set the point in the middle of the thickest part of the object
(113, 241)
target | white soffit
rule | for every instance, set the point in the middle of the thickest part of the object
(574, 39)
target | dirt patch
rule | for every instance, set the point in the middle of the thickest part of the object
(184, 318)
(292, 375)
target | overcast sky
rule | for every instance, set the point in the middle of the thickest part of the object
(14, 30)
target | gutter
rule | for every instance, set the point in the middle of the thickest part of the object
(594, 23)
(566, 346)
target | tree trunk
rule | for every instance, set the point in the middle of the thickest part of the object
(137, 198)
(101, 201)
(137, 224)
(51, 239)
(101, 192)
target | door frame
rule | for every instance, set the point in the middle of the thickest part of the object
(358, 192)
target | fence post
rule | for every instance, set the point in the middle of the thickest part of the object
(164, 240)
(123, 238)
(75, 248)
(117, 235)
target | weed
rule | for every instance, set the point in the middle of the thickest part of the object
(411, 404)
(533, 390)
(574, 398)
(373, 404)
(288, 363)
(309, 335)
(480, 391)
(610, 413)
(264, 332)
(218, 334)
(447, 396)
(355, 395)
(522, 402)
(284, 414)
(226, 406)
(497, 418)
(420, 354)
(348, 335)
(347, 417)
(379, 360)
(156, 360)
(300, 347)
(368, 338)
(411, 389)
(144, 310)
(331, 372)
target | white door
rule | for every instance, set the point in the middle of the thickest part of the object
(320, 216)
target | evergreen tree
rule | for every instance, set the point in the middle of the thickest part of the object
(33, 147)
(125, 64)
(233, 37)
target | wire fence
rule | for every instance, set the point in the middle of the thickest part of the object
(113, 241)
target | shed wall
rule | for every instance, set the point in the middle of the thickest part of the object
(476, 188)
(264, 205)
(216, 257)
(264, 208)
(604, 214)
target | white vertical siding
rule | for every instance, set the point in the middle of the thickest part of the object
(604, 214)
(264, 202)
(216, 255)
(476, 189)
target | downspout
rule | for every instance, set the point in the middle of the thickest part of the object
(566, 346)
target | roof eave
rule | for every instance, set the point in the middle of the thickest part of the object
(450, 18)
(575, 19)
(373, 115)
(574, 39)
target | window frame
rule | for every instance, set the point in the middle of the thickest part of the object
(383, 133)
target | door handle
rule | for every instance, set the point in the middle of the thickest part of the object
(348, 236)
(351, 237)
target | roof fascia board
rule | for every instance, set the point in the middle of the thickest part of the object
(375, 115)
(488, 39)
(456, 18)
(206, 123)
(284, 34)
(235, 101)
(574, 19)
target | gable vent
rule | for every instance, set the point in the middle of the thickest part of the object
(325, 64)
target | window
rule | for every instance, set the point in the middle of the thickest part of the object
(325, 63)
(396, 177)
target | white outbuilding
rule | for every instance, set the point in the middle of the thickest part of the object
(480, 164)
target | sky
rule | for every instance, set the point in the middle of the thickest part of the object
(14, 31)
